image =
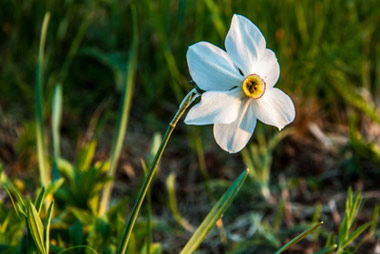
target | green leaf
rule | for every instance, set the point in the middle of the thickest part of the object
(170, 186)
(36, 228)
(214, 215)
(15, 206)
(47, 227)
(326, 250)
(39, 199)
(330, 240)
(123, 117)
(299, 237)
(343, 231)
(40, 133)
(19, 207)
(55, 123)
(85, 156)
(78, 247)
(66, 169)
(54, 186)
(356, 233)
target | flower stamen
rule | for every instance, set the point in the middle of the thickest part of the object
(253, 86)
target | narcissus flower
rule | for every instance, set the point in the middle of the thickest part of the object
(239, 86)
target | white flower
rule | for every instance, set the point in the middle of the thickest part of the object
(238, 85)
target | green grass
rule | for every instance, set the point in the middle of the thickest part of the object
(329, 54)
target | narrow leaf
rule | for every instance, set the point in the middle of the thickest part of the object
(15, 206)
(299, 237)
(36, 228)
(214, 215)
(170, 186)
(47, 227)
(78, 247)
(39, 199)
(122, 121)
(40, 134)
(55, 123)
(356, 233)
(326, 250)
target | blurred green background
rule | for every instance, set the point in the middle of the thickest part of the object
(329, 55)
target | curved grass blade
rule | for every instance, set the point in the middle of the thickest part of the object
(47, 228)
(170, 186)
(216, 212)
(78, 247)
(40, 133)
(299, 237)
(123, 117)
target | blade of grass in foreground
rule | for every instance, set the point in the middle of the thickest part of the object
(36, 228)
(299, 237)
(122, 121)
(41, 151)
(214, 215)
(47, 227)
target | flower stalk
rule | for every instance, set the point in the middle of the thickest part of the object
(189, 98)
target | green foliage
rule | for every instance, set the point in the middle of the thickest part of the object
(258, 158)
(86, 54)
(299, 237)
(214, 215)
(347, 233)
(84, 180)
(170, 186)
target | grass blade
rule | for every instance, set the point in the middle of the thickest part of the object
(55, 123)
(170, 186)
(190, 97)
(7, 189)
(36, 228)
(326, 250)
(123, 117)
(39, 199)
(356, 233)
(78, 247)
(216, 212)
(299, 237)
(47, 227)
(40, 134)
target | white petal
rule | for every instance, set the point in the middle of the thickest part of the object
(268, 68)
(215, 107)
(234, 136)
(244, 43)
(211, 68)
(274, 108)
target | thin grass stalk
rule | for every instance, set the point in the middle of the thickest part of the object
(55, 123)
(299, 237)
(41, 151)
(149, 214)
(122, 121)
(148, 179)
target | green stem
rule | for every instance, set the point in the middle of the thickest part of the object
(148, 179)
(123, 117)
(40, 133)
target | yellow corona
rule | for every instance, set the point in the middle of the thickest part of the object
(253, 86)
